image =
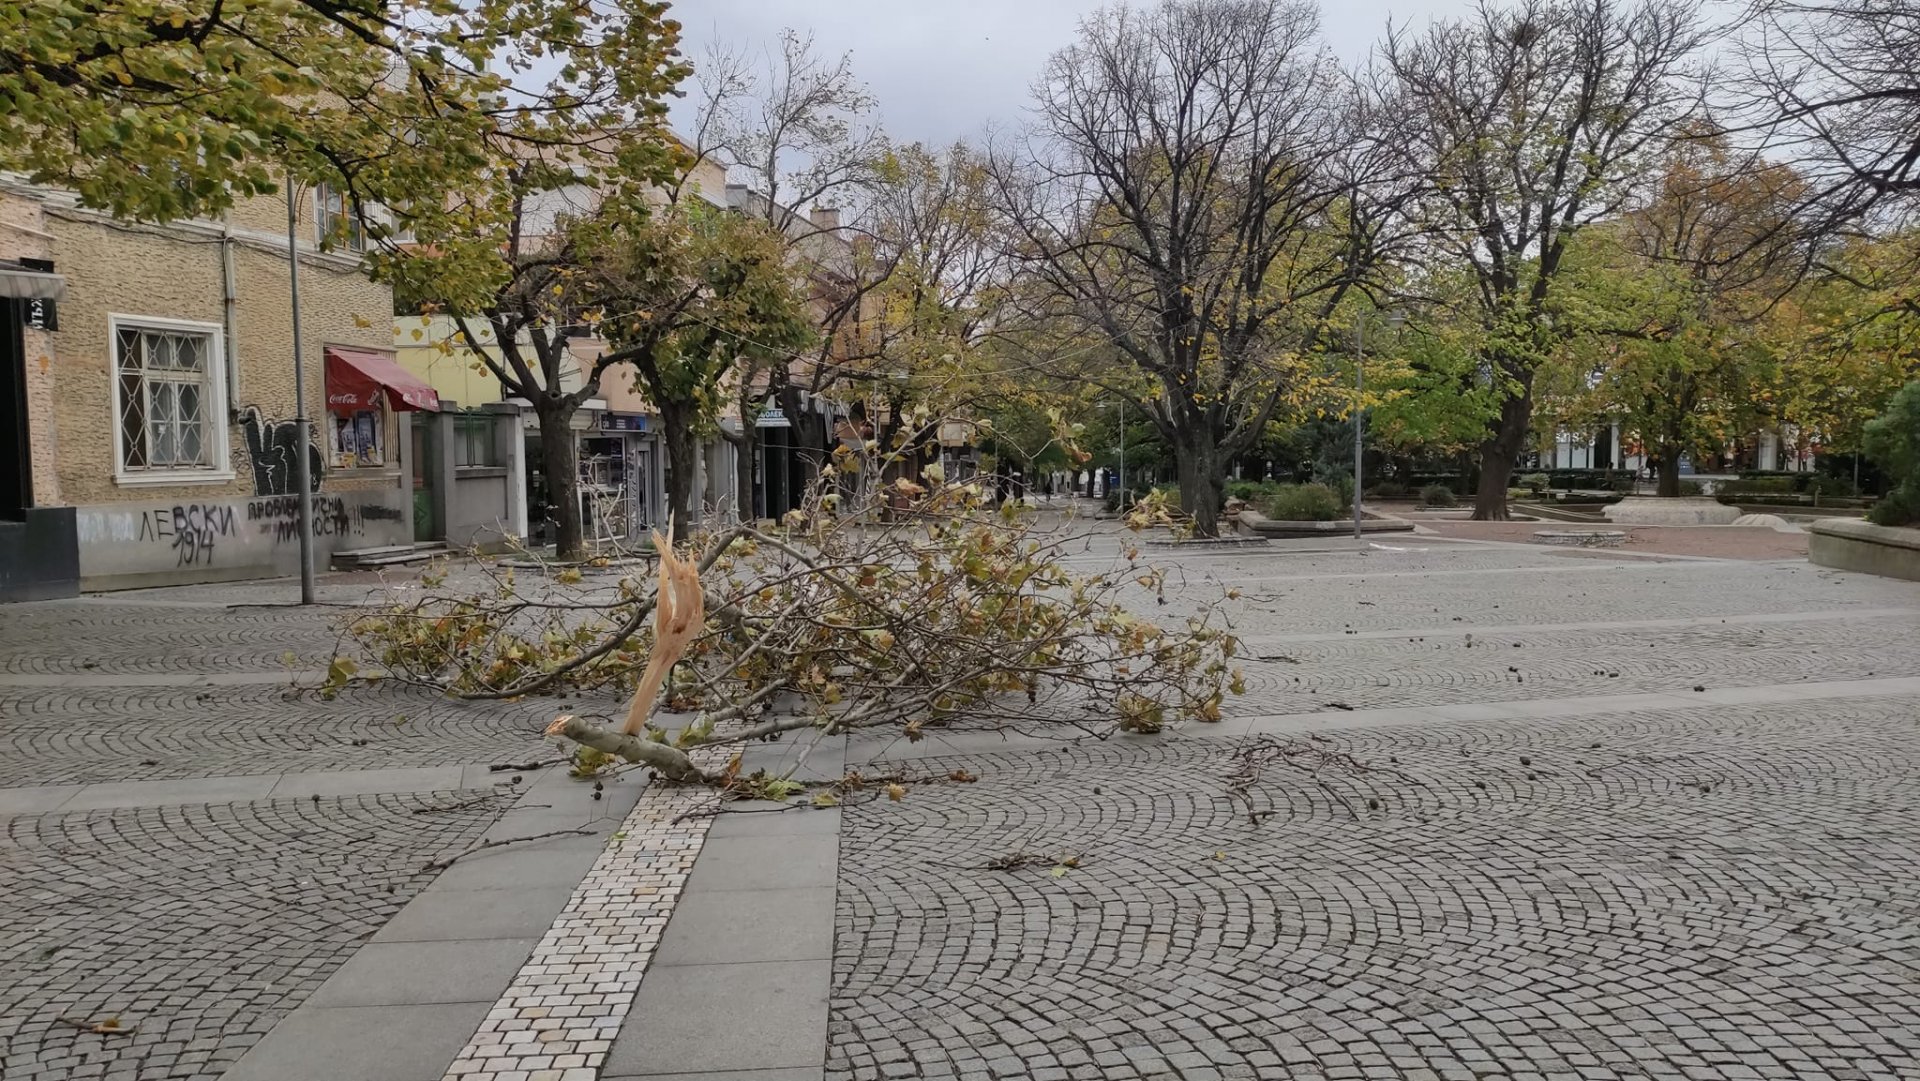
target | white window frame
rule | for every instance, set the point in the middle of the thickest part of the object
(214, 408)
(355, 238)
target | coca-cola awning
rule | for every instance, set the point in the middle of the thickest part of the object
(355, 379)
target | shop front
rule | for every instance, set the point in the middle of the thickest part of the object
(366, 392)
(620, 479)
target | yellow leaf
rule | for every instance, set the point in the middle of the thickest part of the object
(417, 335)
(896, 792)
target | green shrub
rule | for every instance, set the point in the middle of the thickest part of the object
(1618, 480)
(1438, 495)
(1821, 486)
(1691, 487)
(1337, 481)
(1302, 503)
(1761, 486)
(1517, 493)
(1251, 491)
(1389, 489)
(1893, 442)
(1534, 482)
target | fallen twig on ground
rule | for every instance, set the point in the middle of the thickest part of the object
(1301, 757)
(108, 1027)
(441, 865)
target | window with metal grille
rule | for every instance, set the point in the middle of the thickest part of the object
(339, 225)
(166, 401)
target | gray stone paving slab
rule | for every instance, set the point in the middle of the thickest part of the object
(353, 782)
(365, 1043)
(803, 756)
(806, 1073)
(447, 915)
(410, 973)
(36, 799)
(164, 793)
(550, 859)
(765, 862)
(771, 1013)
(716, 927)
(1495, 630)
(746, 819)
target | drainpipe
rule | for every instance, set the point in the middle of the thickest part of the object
(230, 309)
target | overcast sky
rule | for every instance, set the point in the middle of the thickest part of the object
(944, 69)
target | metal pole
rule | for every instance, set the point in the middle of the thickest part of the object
(1122, 403)
(1359, 419)
(302, 470)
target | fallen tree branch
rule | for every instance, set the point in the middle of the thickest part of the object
(671, 763)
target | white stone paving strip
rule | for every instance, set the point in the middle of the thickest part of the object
(560, 1014)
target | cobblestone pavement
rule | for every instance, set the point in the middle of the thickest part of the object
(197, 926)
(1714, 894)
(1725, 894)
(201, 925)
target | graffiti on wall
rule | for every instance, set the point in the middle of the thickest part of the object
(191, 530)
(273, 448)
(278, 517)
(226, 534)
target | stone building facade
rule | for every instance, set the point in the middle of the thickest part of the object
(158, 397)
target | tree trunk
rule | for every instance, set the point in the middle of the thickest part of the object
(1496, 472)
(1497, 455)
(683, 457)
(1668, 483)
(559, 460)
(1202, 495)
(806, 445)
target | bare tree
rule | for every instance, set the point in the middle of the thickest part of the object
(1836, 84)
(1194, 203)
(800, 143)
(1532, 122)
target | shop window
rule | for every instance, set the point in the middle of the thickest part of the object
(167, 398)
(359, 438)
(473, 441)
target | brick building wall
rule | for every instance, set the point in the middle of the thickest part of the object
(231, 519)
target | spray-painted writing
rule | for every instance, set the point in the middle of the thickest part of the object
(192, 530)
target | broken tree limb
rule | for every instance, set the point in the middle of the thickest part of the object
(680, 609)
(670, 762)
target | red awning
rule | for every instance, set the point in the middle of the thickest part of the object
(354, 381)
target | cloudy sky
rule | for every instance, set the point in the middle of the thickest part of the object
(943, 69)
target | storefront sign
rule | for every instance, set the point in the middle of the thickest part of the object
(622, 422)
(773, 418)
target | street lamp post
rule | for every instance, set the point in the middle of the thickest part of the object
(302, 469)
(1359, 416)
(1120, 408)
